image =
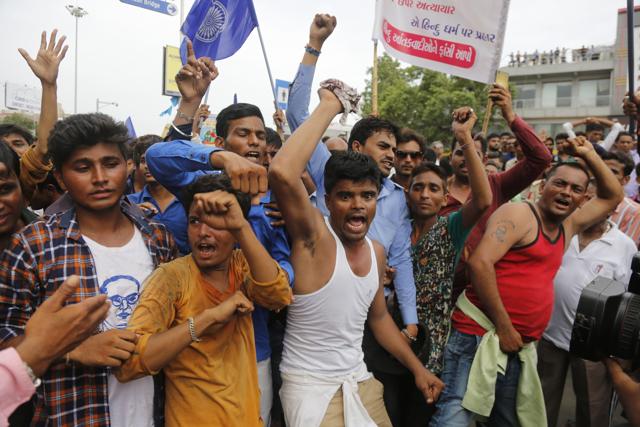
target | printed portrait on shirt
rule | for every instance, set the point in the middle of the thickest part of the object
(123, 291)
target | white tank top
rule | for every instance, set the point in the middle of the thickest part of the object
(324, 328)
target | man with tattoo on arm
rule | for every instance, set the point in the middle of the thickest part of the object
(490, 355)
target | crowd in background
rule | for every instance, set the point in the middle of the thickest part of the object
(375, 278)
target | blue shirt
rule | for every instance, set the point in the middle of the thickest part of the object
(390, 227)
(178, 163)
(174, 217)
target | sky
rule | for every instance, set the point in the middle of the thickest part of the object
(120, 48)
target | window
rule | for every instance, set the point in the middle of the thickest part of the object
(525, 96)
(556, 94)
(593, 93)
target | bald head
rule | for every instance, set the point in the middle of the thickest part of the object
(336, 144)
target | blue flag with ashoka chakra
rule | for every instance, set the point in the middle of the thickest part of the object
(218, 28)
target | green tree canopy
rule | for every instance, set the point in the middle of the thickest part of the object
(20, 119)
(423, 100)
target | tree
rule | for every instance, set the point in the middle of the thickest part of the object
(423, 100)
(20, 119)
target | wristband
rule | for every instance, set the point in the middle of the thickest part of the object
(192, 330)
(312, 51)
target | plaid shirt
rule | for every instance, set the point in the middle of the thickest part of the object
(35, 264)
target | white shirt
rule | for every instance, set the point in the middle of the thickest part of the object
(609, 256)
(121, 272)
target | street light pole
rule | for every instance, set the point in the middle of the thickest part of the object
(77, 12)
(99, 103)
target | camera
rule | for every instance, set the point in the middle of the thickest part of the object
(607, 321)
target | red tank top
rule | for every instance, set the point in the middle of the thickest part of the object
(525, 283)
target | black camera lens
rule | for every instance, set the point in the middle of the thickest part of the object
(607, 320)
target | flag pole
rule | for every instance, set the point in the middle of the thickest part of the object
(266, 61)
(630, 65)
(374, 80)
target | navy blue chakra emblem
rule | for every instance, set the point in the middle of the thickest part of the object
(214, 23)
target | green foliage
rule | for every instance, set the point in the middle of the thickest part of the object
(423, 100)
(20, 119)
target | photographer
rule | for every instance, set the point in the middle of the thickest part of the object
(600, 250)
(628, 390)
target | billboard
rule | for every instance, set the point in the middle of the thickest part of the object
(171, 64)
(22, 97)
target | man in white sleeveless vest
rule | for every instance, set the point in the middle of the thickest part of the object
(339, 283)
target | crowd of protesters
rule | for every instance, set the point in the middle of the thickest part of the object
(370, 280)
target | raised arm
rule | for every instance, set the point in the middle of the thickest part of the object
(268, 284)
(300, 92)
(536, 156)
(301, 218)
(193, 80)
(509, 225)
(45, 67)
(34, 164)
(609, 192)
(608, 142)
(463, 120)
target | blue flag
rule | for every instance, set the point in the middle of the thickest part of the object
(131, 130)
(218, 28)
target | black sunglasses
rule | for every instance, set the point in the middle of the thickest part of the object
(413, 154)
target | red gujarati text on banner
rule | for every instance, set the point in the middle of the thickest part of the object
(456, 54)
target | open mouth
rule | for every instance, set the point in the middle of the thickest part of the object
(252, 155)
(206, 249)
(387, 164)
(562, 203)
(357, 223)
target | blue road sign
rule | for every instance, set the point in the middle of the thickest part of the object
(156, 5)
(282, 93)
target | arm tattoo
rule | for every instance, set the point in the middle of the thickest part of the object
(503, 227)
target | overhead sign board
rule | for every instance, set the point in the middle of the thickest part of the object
(160, 6)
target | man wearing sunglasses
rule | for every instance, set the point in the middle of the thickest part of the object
(410, 149)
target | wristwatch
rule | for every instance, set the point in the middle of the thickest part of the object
(35, 380)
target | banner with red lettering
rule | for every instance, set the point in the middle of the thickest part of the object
(459, 37)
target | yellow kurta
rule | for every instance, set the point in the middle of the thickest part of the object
(213, 382)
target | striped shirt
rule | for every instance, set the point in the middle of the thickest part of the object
(627, 218)
(34, 265)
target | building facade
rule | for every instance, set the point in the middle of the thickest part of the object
(563, 85)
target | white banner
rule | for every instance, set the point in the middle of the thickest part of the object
(21, 97)
(459, 37)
